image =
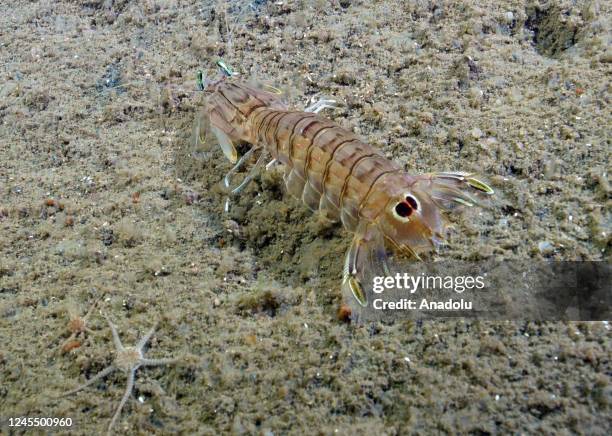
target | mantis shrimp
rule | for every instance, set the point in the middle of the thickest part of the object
(337, 174)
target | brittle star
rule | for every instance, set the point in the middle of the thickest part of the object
(128, 359)
(77, 326)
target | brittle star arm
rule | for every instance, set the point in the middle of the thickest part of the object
(116, 340)
(106, 371)
(157, 362)
(126, 395)
(143, 341)
(86, 317)
(89, 312)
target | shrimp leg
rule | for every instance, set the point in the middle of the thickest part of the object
(226, 144)
(451, 189)
(365, 259)
(236, 189)
(321, 104)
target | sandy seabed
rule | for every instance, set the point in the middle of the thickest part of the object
(107, 206)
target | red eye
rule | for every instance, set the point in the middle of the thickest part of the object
(412, 202)
(403, 209)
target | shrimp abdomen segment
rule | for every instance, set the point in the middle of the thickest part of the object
(328, 168)
(322, 155)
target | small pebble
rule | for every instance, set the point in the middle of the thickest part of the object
(545, 247)
(476, 133)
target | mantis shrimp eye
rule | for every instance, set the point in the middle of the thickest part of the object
(403, 209)
(414, 204)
